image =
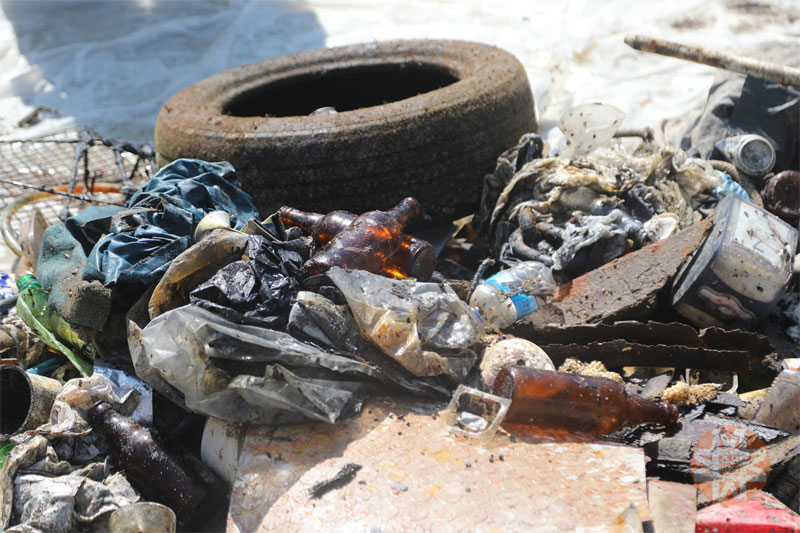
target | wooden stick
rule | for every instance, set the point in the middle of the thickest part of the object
(734, 63)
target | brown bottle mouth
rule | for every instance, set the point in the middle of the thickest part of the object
(504, 383)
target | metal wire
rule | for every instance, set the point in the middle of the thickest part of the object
(52, 161)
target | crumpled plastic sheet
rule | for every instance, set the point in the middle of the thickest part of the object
(553, 184)
(69, 425)
(317, 319)
(694, 175)
(246, 373)
(529, 147)
(258, 290)
(589, 126)
(592, 241)
(54, 504)
(649, 182)
(45, 494)
(122, 384)
(161, 217)
(89, 225)
(423, 326)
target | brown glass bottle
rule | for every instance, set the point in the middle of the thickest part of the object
(367, 243)
(558, 400)
(414, 259)
(169, 476)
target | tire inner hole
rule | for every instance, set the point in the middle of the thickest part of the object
(345, 89)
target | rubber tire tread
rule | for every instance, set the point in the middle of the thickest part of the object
(436, 146)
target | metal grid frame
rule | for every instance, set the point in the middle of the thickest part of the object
(50, 164)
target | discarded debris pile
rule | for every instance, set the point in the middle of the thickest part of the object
(603, 301)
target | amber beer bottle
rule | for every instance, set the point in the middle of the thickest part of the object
(169, 476)
(557, 400)
(367, 243)
(415, 258)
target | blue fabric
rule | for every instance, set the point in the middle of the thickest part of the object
(161, 217)
(89, 226)
(728, 186)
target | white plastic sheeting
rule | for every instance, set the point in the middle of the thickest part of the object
(112, 64)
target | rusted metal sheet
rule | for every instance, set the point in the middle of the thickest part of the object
(619, 353)
(626, 287)
(782, 74)
(655, 344)
(648, 333)
(415, 475)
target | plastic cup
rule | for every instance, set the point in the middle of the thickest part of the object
(142, 517)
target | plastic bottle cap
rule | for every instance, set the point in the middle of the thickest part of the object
(28, 280)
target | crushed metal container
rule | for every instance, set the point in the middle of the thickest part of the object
(738, 275)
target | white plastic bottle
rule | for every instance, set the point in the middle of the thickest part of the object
(511, 294)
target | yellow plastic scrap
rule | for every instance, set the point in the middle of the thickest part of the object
(754, 394)
(594, 369)
(684, 394)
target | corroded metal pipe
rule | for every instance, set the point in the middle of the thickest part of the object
(25, 399)
(732, 62)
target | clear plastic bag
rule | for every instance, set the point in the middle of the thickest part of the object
(247, 373)
(423, 326)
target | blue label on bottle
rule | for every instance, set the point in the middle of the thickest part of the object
(524, 304)
(7, 286)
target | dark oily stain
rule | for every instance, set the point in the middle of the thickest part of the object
(345, 476)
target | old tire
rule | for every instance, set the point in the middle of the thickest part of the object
(420, 118)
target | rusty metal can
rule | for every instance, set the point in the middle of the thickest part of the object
(738, 274)
(752, 154)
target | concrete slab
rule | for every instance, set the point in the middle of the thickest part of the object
(414, 474)
(673, 506)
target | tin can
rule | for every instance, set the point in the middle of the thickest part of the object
(752, 154)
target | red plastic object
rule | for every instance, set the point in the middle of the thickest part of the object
(757, 512)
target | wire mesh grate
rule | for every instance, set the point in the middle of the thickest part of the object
(42, 163)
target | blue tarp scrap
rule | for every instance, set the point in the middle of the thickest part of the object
(165, 213)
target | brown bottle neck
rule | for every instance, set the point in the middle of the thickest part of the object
(404, 211)
(641, 410)
(301, 219)
(113, 424)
